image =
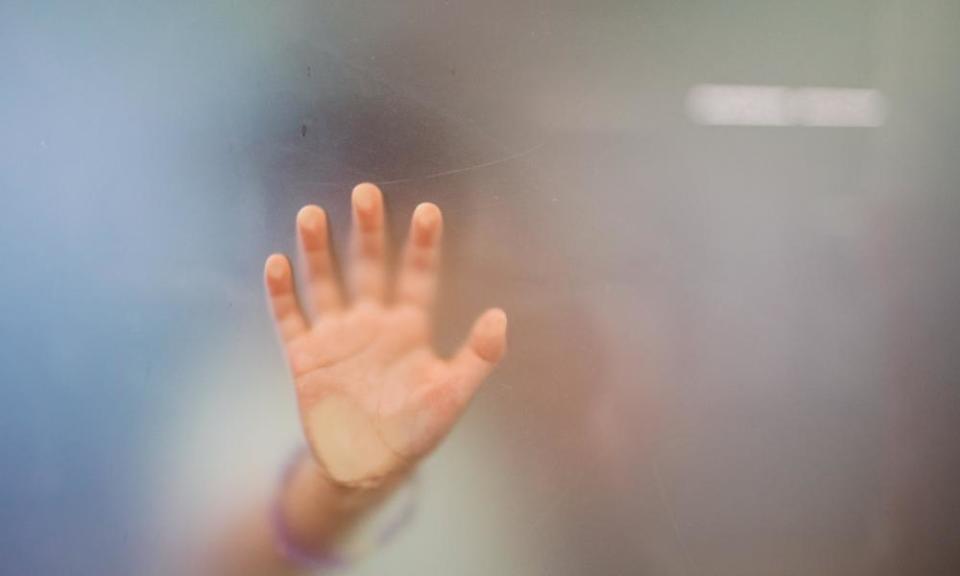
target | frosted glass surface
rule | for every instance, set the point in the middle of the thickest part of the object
(726, 235)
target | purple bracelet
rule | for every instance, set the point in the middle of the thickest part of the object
(324, 560)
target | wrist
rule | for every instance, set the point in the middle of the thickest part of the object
(318, 521)
(347, 495)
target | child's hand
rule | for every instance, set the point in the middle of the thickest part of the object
(373, 395)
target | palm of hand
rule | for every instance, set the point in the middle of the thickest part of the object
(373, 395)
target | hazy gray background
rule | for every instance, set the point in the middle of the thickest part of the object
(733, 349)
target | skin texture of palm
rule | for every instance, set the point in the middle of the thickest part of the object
(373, 395)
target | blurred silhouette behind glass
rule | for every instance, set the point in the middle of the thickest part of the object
(732, 320)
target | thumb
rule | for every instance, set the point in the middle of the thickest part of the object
(484, 348)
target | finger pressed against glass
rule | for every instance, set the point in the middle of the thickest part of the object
(417, 281)
(367, 246)
(314, 237)
(278, 277)
(485, 346)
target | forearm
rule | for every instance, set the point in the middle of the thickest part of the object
(315, 514)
